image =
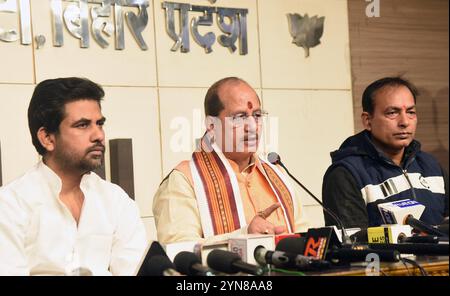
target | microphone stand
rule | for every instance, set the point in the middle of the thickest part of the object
(346, 241)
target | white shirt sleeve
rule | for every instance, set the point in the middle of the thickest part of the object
(13, 221)
(129, 239)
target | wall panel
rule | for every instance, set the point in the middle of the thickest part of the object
(284, 64)
(311, 125)
(18, 153)
(410, 38)
(133, 113)
(148, 91)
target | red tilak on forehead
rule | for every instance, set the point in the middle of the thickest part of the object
(249, 105)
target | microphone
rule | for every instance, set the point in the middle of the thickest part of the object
(347, 255)
(387, 234)
(155, 250)
(229, 262)
(360, 237)
(274, 159)
(288, 260)
(443, 227)
(189, 264)
(159, 265)
(395, 212)
(343, 255)
(420, 239)
(292, 245)
(422, 226)
(414, 248)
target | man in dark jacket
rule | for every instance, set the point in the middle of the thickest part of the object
(384, 163)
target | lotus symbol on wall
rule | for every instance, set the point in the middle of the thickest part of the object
(306, 31)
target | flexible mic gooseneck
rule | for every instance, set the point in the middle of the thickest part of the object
(274, 159)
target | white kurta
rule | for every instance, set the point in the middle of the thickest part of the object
(39, 236)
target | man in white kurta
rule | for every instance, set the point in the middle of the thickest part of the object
(38, 234)
(60, 218)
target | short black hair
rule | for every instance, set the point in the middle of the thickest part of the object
(49, 98)
(368, 96)
(213, 104)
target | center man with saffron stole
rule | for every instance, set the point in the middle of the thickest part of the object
(226, 189)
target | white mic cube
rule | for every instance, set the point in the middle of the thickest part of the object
(395, 212)
(206, 248)
(245, 245)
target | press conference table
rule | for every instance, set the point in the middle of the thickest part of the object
(433, 265)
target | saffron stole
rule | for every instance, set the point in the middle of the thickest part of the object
(218, 195)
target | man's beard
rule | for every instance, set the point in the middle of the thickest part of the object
(72, 162)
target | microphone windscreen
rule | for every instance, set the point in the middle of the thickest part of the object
(295, 245)
(157, 265)
(221, 260)
(184, 260)
(443, 227)
(273, 157)
(156, 249)
(360, 236)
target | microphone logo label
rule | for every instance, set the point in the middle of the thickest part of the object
(405, 203)
(316, 249)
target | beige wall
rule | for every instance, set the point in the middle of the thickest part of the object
(149, 94)
(410, 38)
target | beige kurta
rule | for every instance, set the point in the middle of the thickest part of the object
(176, 212)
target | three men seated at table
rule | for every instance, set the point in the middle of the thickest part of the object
(60, 214)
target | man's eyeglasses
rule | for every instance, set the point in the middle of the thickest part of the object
(242, 118)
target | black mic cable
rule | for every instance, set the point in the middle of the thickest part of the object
(415, 264)
(274, 158)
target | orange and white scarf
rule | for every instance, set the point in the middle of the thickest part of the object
(218, 195)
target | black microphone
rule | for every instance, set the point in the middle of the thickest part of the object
(274, 158)
(421, 239)
(342, 255)
(414, 248)
(422, 226)
(189, 264)
(294, 245)
(159, 265)
(288, 260)
(155, 250)
(229, 262)
(443, 227)
(360, 236)
(347, 255)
